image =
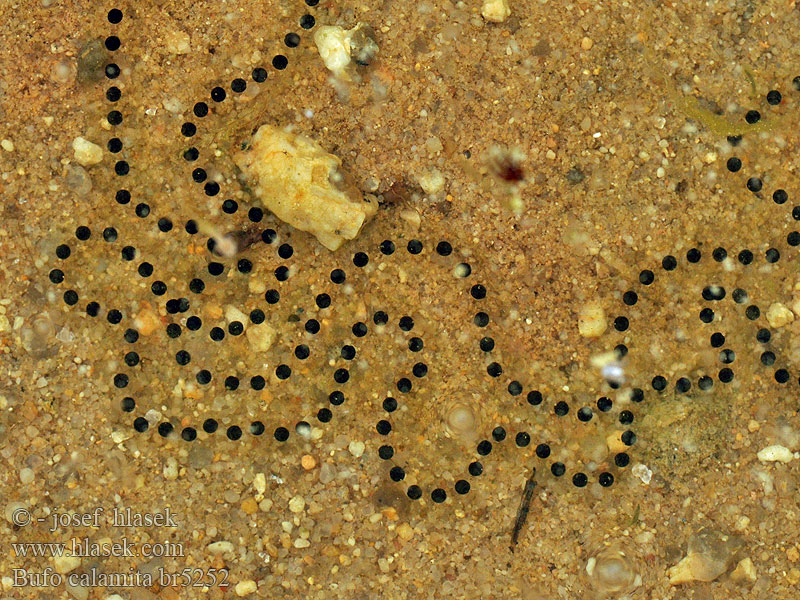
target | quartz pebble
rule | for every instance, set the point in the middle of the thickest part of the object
(709, 555)
(7, 145)
(333, 45)
(326, 473)
(92, 58)
(26, 475)
(86, 152)
(642, 472)
(775, 453)
(146, 322)
(363, 47)
(495, 11)
(611, 571)
(77, 180)
(78, 592)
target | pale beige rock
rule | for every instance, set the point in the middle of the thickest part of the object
(178, 42)
(333, 45)
(304, 186)
(775, 453)
(220, 547)
(260, 336)
(405, 531)
(86, 152)
(338, 47)
(65, 564)
(297, 504)
(592, 321)
(431, 180)
(778, 315)
(745, 571)
(495, 11)
(245, 588)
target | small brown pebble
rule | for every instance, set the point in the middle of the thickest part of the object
(249, 506)
(308, 462)
(146, 322)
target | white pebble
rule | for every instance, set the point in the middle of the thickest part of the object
(333, 44)
(495, 11)
(642, 472)
(7, 145)
(221, 547)
(245, 588)
(260, 336)
(171, 469)
(234, 314)
(260, 483)
(431, 180)
(297, 504)
(65, 564)
(356, 448)
(775, 453)
(592, 321)
(778, 315)
(86, 152)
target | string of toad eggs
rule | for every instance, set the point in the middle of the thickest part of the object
(175, 306)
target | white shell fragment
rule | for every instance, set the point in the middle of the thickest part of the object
(775, 453)
(303, 185)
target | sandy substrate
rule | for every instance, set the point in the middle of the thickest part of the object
(305, 482)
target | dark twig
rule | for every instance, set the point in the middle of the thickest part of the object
(524, 507)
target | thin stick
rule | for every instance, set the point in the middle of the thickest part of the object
(524, 507)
